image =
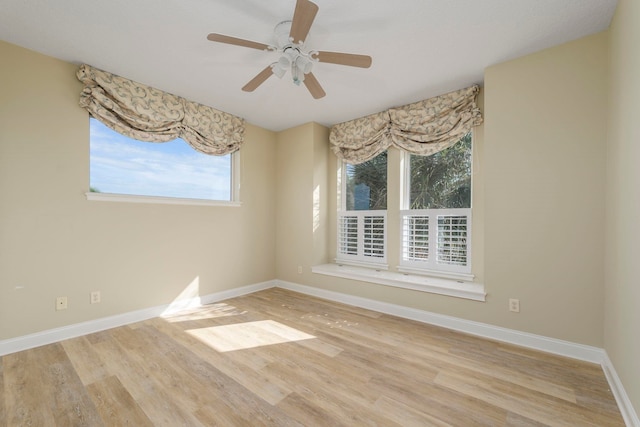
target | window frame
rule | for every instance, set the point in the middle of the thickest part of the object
(467, 286)
(234, 190)
(432, 267)
(360, 258)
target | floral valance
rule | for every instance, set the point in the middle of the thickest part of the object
(422, 128)
(148, 114)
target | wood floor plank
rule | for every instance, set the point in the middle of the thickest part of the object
(145, 345)
(45, 374)
(439, 402)
(451, 361)
(281, 358)
(292, 357)
(407, 416)
(207, 375)
(297, 301)
(218, 413)
(158, 405)
(309, 413)
(114, 403)
(23, 393)
(385, 365)
(208, 380)
(539, 407)
(517, 420)
(269, 389)
(85, 360)
(321, 346)
(329, 393)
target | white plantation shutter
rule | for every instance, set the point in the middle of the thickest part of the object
(415, 234)
(373, 236)
(452, 239)
(362, 237)
(348, 235)
(436, 239)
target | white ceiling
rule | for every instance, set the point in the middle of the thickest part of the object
(420, 48)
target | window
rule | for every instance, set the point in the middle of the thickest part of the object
(431, 222)
(436, 219)
(363, 216)
(434, 215)
(125, 166)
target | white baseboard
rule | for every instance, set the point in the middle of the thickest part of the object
(236, 292)
(629, 414)
(49, 336)
(524, 339)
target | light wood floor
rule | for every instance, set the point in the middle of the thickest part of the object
(278, 358)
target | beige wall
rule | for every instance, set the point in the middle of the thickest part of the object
(302, 197)
(53, 242)
(321, 195)
(544, 155)
(538, 200)
(622, 317)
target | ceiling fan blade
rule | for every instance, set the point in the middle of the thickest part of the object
(235, 41)
(362, 61)
(258, 80)
(303, 16)
(314, 87)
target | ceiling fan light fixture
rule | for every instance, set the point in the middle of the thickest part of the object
(304, 64)
(278, 70)
(284, 62)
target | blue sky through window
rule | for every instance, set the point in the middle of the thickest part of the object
(122, 165)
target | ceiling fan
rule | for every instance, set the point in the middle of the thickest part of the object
(290, 37)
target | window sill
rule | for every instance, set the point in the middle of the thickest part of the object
(454, 288)
(433, 273)
(127, 198)
(363, 264)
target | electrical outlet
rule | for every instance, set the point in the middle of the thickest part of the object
(95, 297)
(514, 305)
(299, 269)
(61, 303)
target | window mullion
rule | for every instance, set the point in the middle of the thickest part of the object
(360, 235)
(433, 240)
(405, 180)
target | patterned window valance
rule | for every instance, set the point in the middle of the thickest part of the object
(147, 114)
(422, 128)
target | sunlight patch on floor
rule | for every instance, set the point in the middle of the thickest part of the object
(240, 336)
